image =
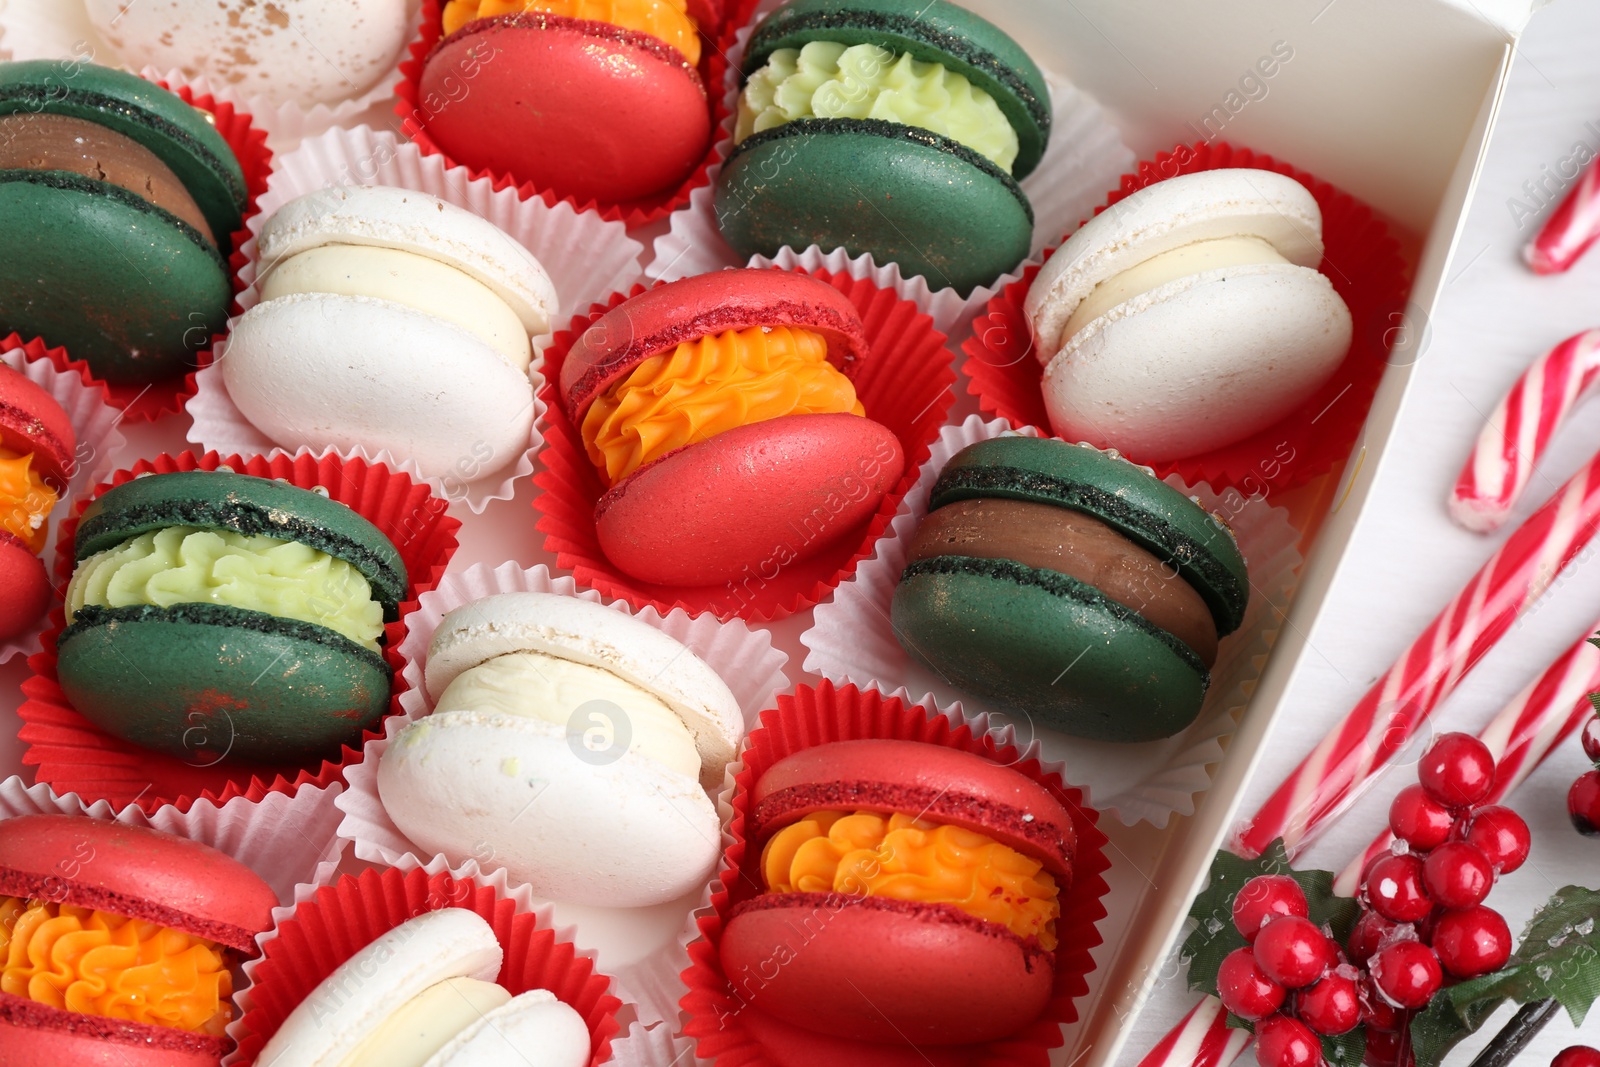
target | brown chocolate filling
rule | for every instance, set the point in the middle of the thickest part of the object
(1079, 546)
(45, 141)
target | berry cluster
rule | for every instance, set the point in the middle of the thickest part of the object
(1583, 800)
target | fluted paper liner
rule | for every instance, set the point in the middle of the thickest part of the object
(72, 755)
(414, 114)
(744, 658)
(734, 1035)
(1362, 260)
(586, 257)
(332, 922)
(1085, 157)
(94, 421)
(906, 385)
(851, 640)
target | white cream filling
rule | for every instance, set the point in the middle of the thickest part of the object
(429, 286)
(1168, 267)
(598, 709)
(427, 1022)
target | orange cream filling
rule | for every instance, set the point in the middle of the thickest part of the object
(96, 963)
(709, 386)
(904, 858)
(25, 499)
(665, 19)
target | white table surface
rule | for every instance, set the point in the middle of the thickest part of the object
(1406, 559)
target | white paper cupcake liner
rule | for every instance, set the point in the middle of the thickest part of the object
(99, 440)
(1086, 157)
(586, 257)
(286, 838)
(644, 948)
(659, 1045)
(850, 640)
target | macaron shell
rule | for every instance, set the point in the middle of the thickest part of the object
(902, 194)
(1208, 205)
(204, 683)
(750, 500)
(606, 828)
(585, 632)
(705, 305)
(874, 969)
(410, 221)
(1199, 363)
(532, 1030)
(1040, 645)
(319, 369)
(614, 115)
(26, 584)
(133, 291)
(32, 1034)
(135, 871)
(32, 421)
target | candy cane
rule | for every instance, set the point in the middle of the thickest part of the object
(1519, 432)
(1569, 232)
(1349, 758)
(1202, 1039)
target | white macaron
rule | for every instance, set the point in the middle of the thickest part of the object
(390, 319)
(424, 995)
(1188, 315)
(570, 743)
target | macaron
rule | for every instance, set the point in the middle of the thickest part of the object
(37, 455)
(117, 205)
(301, 53)
(1188, 316)
(1065, 584)
(575, 742)
(598, 100)
(424, 995)
(898, 128)
(216, 615)
(720, 413)
(118, 943)
(391, 320)
(908, 893)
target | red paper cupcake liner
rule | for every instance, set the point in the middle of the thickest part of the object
(1362, 260)
(633, 213)
(734, 1035)
(906, 386)
(145, 403)
(74, 756)
(341, 919)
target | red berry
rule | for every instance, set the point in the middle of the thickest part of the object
(1591, 746)
(1395, 889)
(1419, 820)
(1407, 973)
(1457, 875)
(1244, 989)
(1266, 897)
(1457, 770)
(1379, 1014)
(1293, 951)
(1332, 1006)
(1472, 941)
(1388, 1049)
(1285, 1042)
(1501, 835)
(1577, 1056)
(1368, 936)
(1583, 803)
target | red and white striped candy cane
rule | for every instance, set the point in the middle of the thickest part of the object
(1202, 1039)
(1569, 232)
(1349, 758)
(1537, 720)
(1519, 431)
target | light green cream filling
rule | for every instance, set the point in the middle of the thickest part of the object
(183, 565)
(826, 80)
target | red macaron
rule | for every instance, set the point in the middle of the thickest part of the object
(759, 495)
(937, 974)
(31, 422)
(129, 871)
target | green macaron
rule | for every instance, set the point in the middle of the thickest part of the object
(217, 615)
(117, 204)
(863, 165)
(1062, 582)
